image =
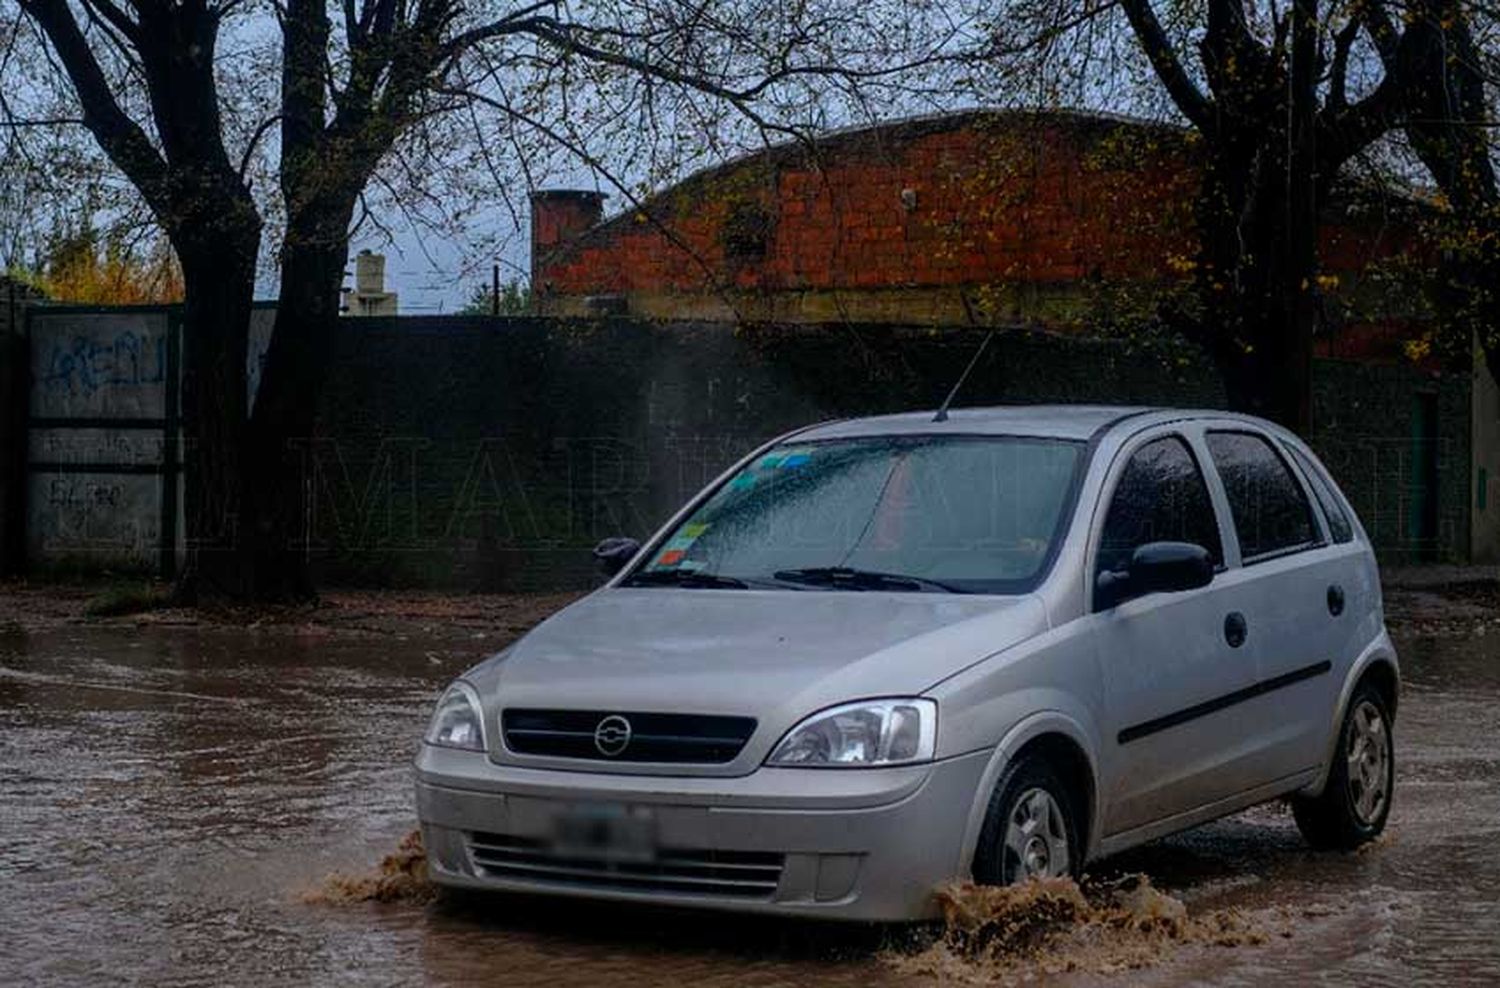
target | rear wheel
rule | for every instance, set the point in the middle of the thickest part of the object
(1031, 829)
(1356, 800)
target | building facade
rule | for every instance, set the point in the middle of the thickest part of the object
(1059, 221)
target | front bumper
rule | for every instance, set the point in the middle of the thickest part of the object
(857, 844)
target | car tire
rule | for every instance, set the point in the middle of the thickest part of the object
(1031, 827)
(1356, 800)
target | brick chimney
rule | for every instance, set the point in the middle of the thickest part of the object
(557, 216)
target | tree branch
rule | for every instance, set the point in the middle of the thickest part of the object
(1189, 99)
(304, 91)
(582, 153)
(116, 17)
(265, 126)
(122, 139)
(1338, 72)
(10, 124)
(464, 40)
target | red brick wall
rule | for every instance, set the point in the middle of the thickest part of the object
(975, 202)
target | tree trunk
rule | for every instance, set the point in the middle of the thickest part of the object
(1253, 275)
(219, 284)
(284, 416)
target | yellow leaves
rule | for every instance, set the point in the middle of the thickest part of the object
(1181, 264)
(78, 272)
(1417, 349)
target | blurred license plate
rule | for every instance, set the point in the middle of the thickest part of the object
(607, 832)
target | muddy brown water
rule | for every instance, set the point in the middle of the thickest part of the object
(168, 799)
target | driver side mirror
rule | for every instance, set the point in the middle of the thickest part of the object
(1156, 567)
(611, 555)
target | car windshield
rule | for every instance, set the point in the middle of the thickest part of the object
(968, 514)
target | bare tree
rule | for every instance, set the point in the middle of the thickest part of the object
(1450, 130)
(366, 95)
(1282, 98)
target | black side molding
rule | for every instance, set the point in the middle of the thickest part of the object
(1218, 703)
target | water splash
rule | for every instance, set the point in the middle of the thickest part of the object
(400, 877)
(1054, 926)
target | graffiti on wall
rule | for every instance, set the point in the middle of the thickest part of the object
(94, 520)
(83, 365)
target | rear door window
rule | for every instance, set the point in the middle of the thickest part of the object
(1270, 512)
(1161, 497)
(1338, 520)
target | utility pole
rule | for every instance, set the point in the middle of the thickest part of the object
(494, 289)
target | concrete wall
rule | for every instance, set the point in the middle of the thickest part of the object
(550, 435)
(87, 368)
(1366, 428)
(475, 452)
(495, 452)
(12, 427)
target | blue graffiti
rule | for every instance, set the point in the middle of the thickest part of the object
(84, 365)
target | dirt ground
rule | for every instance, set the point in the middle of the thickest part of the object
(491, 618)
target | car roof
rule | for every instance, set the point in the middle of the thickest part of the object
(1059, 421)
(1079, 422)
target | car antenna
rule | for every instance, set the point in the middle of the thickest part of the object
(942, 412)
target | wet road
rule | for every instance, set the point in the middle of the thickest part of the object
(168, 797)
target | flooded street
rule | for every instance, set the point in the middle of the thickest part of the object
(170, 800)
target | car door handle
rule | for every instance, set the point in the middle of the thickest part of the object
(1235, 629)
(1335, 599)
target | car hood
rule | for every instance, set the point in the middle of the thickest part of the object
(773, 655)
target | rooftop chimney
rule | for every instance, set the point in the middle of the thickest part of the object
(369, 297)
(369, 273)
(557, 216)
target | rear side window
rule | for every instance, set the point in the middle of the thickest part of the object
(1270, 512)
(1338, 521)
(1161, 497)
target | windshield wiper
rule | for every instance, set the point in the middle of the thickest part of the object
(845, 578)
(694, 579)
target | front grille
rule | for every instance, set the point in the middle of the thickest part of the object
(696, 738)
(738, 874)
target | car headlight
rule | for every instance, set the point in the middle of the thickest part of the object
(863, 734)
(457, 722)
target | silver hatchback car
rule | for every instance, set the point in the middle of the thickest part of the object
(882, 654)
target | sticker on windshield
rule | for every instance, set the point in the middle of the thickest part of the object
(674, 550)
(786, 459)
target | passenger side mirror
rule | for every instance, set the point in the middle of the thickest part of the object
(1157, 567)
(612, 554)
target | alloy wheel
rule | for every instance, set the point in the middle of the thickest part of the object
(1367, 749)
(1036, 837)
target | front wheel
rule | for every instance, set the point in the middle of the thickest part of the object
(1030, 830)
(1356, 800)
